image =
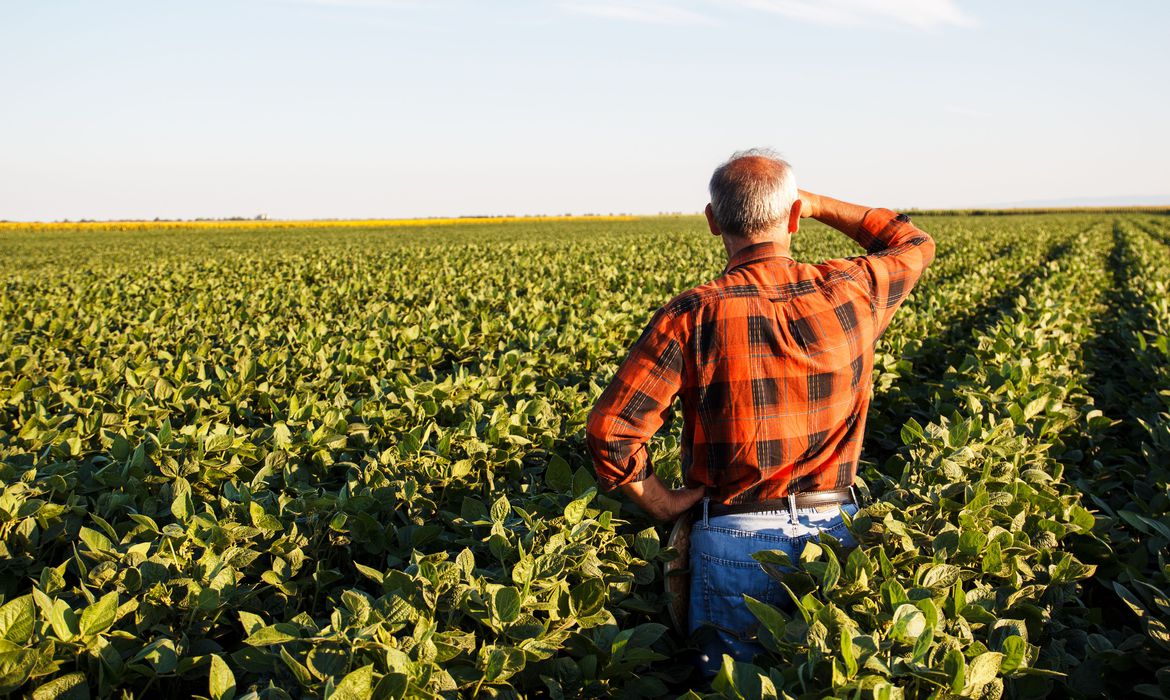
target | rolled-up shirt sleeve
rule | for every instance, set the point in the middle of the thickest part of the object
(898, 253)
(635, 404)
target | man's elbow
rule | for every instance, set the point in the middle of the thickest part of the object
(595, 431)
(928, 248)
(597, 442)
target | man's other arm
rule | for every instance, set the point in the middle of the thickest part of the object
(898, 252)
(630, 410)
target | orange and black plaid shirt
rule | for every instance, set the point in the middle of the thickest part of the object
(773, 365)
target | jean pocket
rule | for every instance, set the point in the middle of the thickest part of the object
(724, 582)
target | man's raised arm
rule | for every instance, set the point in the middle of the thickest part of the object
(898, 251)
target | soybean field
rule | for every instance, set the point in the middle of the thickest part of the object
(348, 461)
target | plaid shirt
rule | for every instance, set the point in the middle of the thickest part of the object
(773, 363)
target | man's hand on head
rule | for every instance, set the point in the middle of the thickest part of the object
(810, 204)
(662, 503)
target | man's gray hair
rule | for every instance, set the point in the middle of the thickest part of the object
(752, 193)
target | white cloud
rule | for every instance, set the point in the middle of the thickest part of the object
(354, 3)
(924, 14)
(647, 11)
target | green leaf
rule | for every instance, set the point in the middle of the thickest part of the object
(370, 573)
(1128, 597)
(894, 594)
(575, 510)
(588, 597)
(583, 481)
(848, 654)
(940, 576)
(465, 560)
(473, 510)
(832, 572)
(500, 509)
(1082, 519)
(1014, 653)
(523, 571)
(908, 623)
(262, 519)
(922, 644)
(646, 634)
(646, 544)
(15, 667)
(182, 507)
(221, 680)
(281, 435)
(501, 663)
(217, 443)
(71, 686)
(100, 616)
(304, 678)
(357, 685)
(770, 617)
(61, 617)
(911, 432)
(548, 566)
(958, 433)
(506, 604)
(94, 540)
(279, 633)
(956, 599)
(983, 669)
(558, 475)
(326, 661)
(1034, 407)
(250, 621)
(744, 681)
(955, 666)
(17, 618)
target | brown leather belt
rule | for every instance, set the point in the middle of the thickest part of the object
(790, 503)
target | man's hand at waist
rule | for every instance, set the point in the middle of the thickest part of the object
(662, 503)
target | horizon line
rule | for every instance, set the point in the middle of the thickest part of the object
(262, 220)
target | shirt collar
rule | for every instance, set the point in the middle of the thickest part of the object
(755, 253)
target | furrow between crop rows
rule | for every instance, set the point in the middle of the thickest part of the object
(1126, 473)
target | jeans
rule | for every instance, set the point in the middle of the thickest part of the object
(722, 571)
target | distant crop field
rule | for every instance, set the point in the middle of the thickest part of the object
(348, 461)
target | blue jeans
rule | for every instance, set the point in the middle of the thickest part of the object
(722, 571)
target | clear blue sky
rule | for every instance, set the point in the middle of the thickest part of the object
(369, 108)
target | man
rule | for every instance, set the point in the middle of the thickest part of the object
(773, 364)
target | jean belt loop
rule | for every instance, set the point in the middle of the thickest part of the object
(792, 512)
(706, 500)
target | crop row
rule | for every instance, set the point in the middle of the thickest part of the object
(939, 323)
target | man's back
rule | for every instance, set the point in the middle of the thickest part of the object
(772, 362)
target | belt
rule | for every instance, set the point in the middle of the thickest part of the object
(790, 503)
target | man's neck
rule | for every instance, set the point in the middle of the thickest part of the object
(735, 244)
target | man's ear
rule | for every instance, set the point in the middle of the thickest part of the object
(711, 221)
(794, 216)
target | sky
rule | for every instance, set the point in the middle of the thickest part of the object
(403, 108)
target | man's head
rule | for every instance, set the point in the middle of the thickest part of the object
(753, 199)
